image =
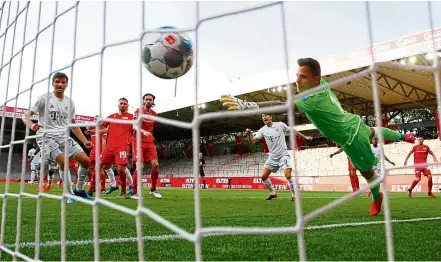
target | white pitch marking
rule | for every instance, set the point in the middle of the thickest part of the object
(171, 237)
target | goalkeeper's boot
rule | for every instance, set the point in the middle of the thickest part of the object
(129, 192)
(410, 138)
(111, 189)
(376, 206)
(155, 194)
(83, 194)
(273, 196)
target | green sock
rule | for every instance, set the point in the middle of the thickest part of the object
(391, 135)
(374, 190)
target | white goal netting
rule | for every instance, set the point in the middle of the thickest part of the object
(33, 40)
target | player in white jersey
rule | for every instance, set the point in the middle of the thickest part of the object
(31, 154)
(49, 165)
(279, 158)
(376, 150)
(57, 112)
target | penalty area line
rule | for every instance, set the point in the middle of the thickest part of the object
(174, 236)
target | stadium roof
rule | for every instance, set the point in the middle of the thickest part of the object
(400, 88)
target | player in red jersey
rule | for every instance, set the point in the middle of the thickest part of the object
(92, 156)
(352, 171)
(117, 149)
(148, 152)
(421, 151)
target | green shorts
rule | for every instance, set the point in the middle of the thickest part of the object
(359, 150)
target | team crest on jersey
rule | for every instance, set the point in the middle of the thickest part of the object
(277, 130)
(304, 98)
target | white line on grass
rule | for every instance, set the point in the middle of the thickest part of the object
(172, 237)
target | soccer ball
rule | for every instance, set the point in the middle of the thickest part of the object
(167, 55)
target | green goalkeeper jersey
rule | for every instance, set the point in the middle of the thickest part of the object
(324, 111)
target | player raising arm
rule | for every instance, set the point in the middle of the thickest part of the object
(148, 152)
(279, 158)
(421, 151)
(57, 114)
(325, 112)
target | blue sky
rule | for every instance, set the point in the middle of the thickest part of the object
(242, 46)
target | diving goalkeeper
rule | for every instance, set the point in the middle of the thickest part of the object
(325, 112)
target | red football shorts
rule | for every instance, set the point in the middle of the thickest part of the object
(351, 168)
(148, 152)
(117, 155)
(92, 157)
(425, 171)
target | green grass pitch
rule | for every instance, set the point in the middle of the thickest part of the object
(352, 234)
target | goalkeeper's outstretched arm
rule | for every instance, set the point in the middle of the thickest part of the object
(233, 103)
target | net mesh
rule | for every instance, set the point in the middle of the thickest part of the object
(13, 50)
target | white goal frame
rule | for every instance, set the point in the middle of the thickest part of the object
(196, 236)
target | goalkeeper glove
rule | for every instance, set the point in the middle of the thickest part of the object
(233, 103)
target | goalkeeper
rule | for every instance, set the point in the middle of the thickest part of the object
(325, 112)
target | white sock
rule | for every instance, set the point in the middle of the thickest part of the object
(291, 186)
(82, 173)
(111, 176)
(68, 181)
(129, 176)
(268, 185)
(49, 178)
(33, 174)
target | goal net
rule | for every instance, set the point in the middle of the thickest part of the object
(99, 48)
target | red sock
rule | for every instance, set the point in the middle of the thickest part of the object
(123, 177)
(429, 183)
(351, 178)
(154, 175)
(357, 183)
(92, 180)
(103, 181)
(414, 183)
(135, 183)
